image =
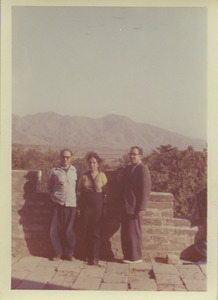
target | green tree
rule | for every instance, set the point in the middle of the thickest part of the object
(180, 172)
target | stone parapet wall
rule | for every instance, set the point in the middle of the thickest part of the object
(163, 234)
(31, 215)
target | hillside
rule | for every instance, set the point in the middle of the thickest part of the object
(111, 132)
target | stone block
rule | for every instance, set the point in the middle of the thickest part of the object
(176, 222)
(191, 272)
(171, 231)
(92, 271)
(144, 266)
(196, 285)
(41, 274)
(168, 288)
(160, 205)
(76, 266)
(27, 263)
(154, 213)
(151, 221)
(168, 279)
(159, 268)
(114, 278)
(167, 213)
(161, 197)
(34, 227)
(117, 268)
(143, 284)
(64, 280)
(91, 284)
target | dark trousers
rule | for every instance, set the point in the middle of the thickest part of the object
(131, 237)
(91, 216)
(62, 233)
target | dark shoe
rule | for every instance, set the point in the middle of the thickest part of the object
(90, 262)
(69, 257)
(56, 258)
(95, 262)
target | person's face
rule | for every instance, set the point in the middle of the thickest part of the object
(66, 159)
(93, 164)
(134, 155)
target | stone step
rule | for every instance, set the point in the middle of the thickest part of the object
(160, 197)
(177, 231)
(166, 221)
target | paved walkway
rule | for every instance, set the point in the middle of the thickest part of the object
(37, 273)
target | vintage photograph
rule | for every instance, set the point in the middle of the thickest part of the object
(109, 148)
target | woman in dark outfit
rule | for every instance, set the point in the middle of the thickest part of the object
(91, 194)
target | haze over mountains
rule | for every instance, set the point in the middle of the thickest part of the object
(110, 132)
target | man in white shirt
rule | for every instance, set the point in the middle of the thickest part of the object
(62, 190)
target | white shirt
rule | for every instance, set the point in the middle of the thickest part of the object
(62, 185)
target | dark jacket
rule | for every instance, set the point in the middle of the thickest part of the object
(137, 188)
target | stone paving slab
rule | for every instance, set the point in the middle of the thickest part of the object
(40, 275)
(63, 279)
(34, 273)
(114, 278)
(49, 263)
(75, 266)
(92, 271)
(27, 263)
(166, 287)
(191, 272)
(141, 266)
(142, 284)
(160, 268)
(167, 279)
(196, 285)
(117, 268)
(91, 284)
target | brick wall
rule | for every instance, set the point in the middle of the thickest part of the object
(31, 215)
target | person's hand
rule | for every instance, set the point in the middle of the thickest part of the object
(141, 213)
(78, 211)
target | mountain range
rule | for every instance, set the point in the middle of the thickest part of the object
(50, 129)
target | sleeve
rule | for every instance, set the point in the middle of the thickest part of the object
(50, 182)
(145, 187)
(104, 187)
(79, 184)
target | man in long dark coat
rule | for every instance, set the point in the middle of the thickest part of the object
(137, 187)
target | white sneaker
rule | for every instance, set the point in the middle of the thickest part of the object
(132, 262)
(125, 261)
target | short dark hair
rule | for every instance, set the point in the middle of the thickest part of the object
(93, 155)
(66, 149)
(139, 149)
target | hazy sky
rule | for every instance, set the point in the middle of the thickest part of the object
(149, 64)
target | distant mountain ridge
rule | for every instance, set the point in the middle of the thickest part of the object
(112, 131)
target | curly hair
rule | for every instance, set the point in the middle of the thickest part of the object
(93, 155)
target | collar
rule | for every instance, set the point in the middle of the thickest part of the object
(71, 167)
